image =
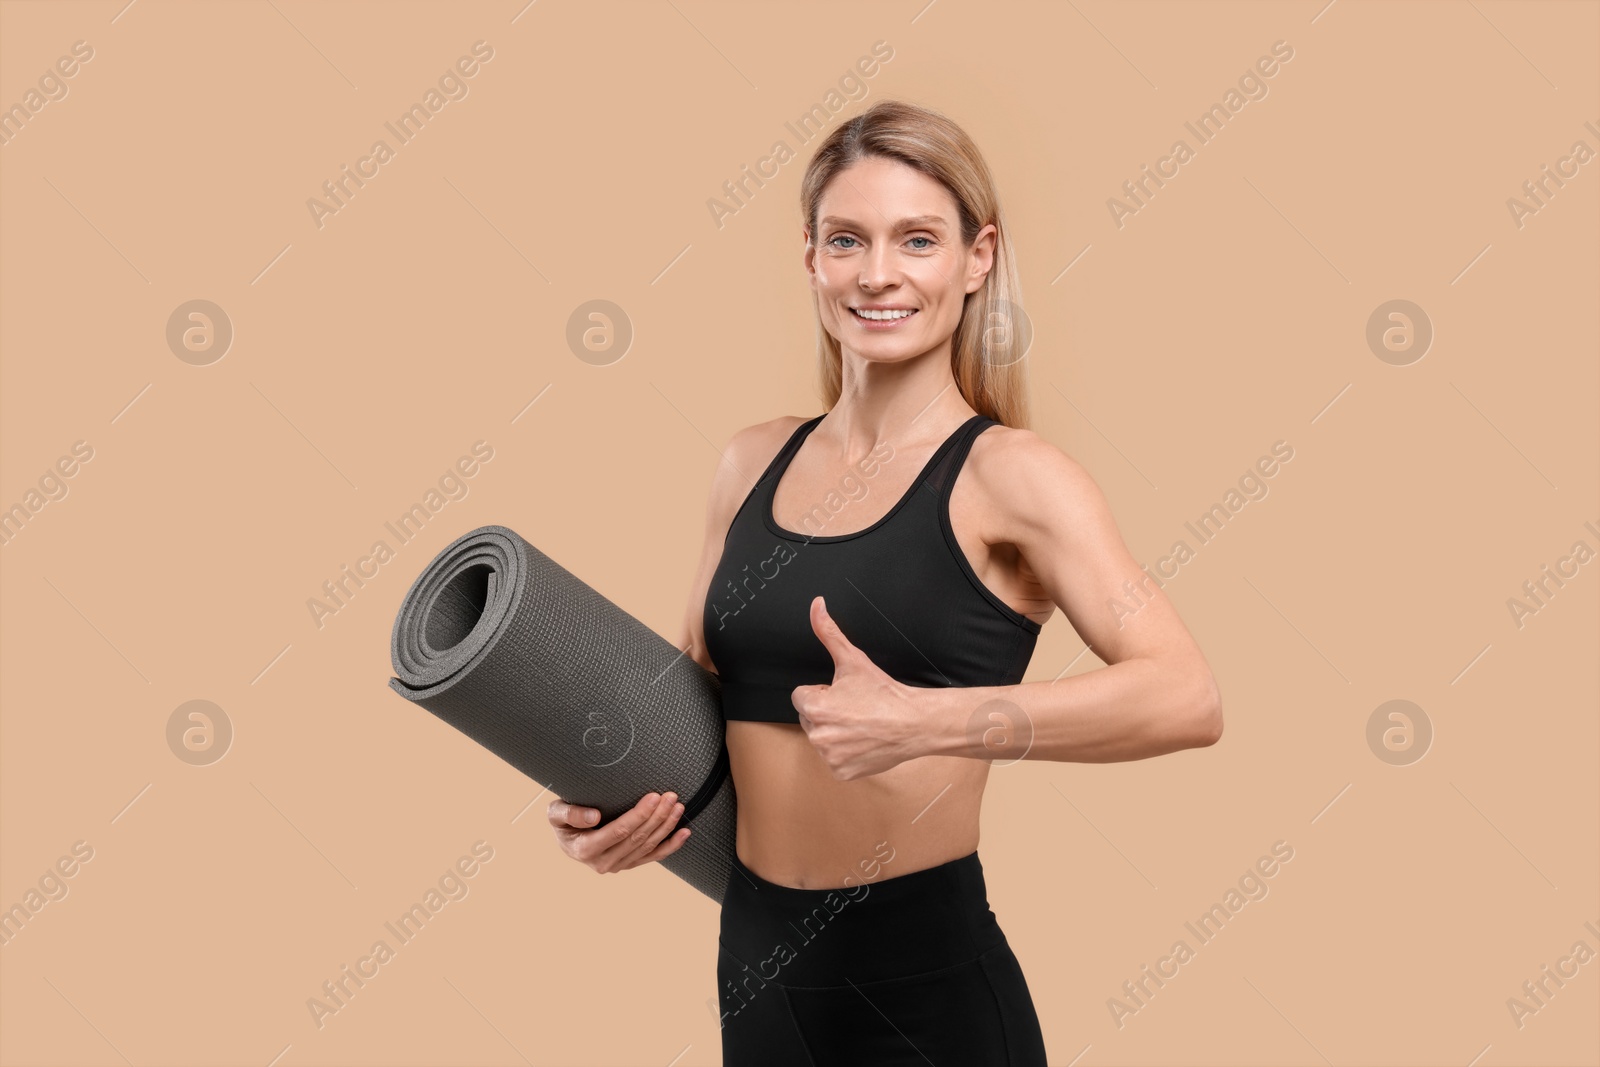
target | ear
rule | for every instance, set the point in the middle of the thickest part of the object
(982, 252)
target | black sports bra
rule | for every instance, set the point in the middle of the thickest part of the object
(901, 590)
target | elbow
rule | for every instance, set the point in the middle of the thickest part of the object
(1205, 712)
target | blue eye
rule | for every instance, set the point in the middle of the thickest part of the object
(841, 237)
(925, 247)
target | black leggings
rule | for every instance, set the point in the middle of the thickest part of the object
(912, 969)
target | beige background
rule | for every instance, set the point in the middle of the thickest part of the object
(428, 313)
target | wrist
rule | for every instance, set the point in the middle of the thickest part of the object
(950, 720)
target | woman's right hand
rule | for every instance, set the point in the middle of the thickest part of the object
(631, 839)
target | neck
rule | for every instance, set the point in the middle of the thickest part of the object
(907, 403)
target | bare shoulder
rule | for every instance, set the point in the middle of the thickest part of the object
(745, 455)
(756, 445)
(750, 449)
(1029, 486)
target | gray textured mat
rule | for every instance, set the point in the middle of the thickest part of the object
(516, 652)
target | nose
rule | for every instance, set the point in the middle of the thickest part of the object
(876, 269)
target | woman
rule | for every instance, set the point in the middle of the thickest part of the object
(871, 605)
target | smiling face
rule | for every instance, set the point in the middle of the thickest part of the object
(887, 262)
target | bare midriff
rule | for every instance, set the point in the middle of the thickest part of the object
(800, 826)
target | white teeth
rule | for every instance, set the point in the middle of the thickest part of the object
(882, 315)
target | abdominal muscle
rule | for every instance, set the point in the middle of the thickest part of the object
(799, 826)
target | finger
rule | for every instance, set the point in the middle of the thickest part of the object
(620, 846)
(669, 846)
(642, 841)
(590, 846)
(804, 697)
(658, 826)
(566, 816)
(832, 637)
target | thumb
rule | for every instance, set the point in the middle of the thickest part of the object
(833, 639)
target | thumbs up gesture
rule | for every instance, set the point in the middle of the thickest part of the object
(864, 722)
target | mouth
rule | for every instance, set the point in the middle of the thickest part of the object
(887, 319)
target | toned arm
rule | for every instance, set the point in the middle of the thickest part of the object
(1156, 694)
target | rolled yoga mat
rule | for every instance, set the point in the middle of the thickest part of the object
(519, 654)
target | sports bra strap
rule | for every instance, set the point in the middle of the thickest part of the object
(941, 479)
(789, 446)
(940, 476)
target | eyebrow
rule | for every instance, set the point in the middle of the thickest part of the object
(933, 221)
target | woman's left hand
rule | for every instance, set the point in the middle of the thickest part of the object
(865, 722)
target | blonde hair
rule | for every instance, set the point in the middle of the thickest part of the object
(986, 356)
